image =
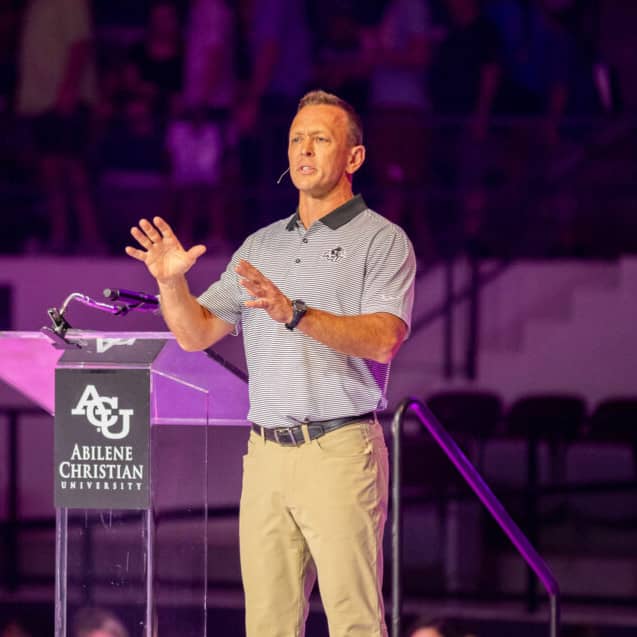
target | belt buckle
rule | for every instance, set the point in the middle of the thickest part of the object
(288, 431)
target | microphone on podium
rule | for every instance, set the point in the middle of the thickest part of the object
(139, 299)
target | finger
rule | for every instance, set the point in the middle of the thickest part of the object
(150, 230)
(241, 268)
(254, 276)
(253, 288)
(263, 304)
(246, 269)
(163, 227)
(196, 251)
(246, 278)
(261, 285)
(140, 255)
(141, 238)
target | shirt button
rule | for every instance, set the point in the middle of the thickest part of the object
(304, 239)
(297, 260)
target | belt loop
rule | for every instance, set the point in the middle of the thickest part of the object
(306, 432)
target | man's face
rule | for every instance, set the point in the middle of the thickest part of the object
(320, 155)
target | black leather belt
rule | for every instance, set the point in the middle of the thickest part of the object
(293, 436)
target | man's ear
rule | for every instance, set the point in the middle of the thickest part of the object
(356, 159)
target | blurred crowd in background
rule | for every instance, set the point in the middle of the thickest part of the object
(115, 109)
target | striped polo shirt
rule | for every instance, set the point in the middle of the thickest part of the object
(351, 261)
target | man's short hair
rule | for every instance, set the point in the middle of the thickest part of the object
(318, 97)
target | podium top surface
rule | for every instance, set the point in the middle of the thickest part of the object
(186, 387)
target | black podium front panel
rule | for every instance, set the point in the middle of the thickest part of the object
(102, 431)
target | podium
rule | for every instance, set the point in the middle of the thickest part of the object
(132, 418)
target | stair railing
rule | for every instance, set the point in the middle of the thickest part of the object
(480, 488)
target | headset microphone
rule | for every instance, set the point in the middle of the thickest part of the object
(287, 170)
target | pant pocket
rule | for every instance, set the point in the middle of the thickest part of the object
(348, 441)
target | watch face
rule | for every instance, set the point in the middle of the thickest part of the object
(299, 309)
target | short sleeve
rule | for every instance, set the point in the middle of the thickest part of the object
(224, 298)
(390, 273)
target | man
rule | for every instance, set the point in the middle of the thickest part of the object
(314, 494)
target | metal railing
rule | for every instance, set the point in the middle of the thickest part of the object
(484, 493)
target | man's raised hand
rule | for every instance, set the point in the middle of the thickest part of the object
(163, 254)
(265, 294)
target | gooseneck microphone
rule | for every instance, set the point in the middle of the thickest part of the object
(128, 296)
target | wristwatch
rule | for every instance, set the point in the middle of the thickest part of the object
(299, 309)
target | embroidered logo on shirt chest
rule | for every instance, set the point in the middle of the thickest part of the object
(335, 254)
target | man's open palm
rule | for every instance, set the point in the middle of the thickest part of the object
(162, 252)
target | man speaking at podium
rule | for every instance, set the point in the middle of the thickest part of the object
(324, 300)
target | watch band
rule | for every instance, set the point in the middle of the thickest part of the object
(299, 308)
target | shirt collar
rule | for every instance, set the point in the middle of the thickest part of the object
(338, 217)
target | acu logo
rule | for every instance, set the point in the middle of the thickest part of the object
(103, 414)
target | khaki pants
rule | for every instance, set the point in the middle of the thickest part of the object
(315, 511)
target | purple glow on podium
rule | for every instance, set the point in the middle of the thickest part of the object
(27, 363)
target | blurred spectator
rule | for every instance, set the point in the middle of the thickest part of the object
(9, 19)
(198, 140)
(154, 71)
(550, 51)
(398, 51)
(340, 66)
(572, 21)
(97, 622)
(438, 627)
(195, 146)
(13, 628)
(466, 69)
(209, 57)
(580, 18)
(140, 95)
(538, 57)
(133, 140)
(280, 71)
(281, 62)
(57, 91)
(464, 81)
